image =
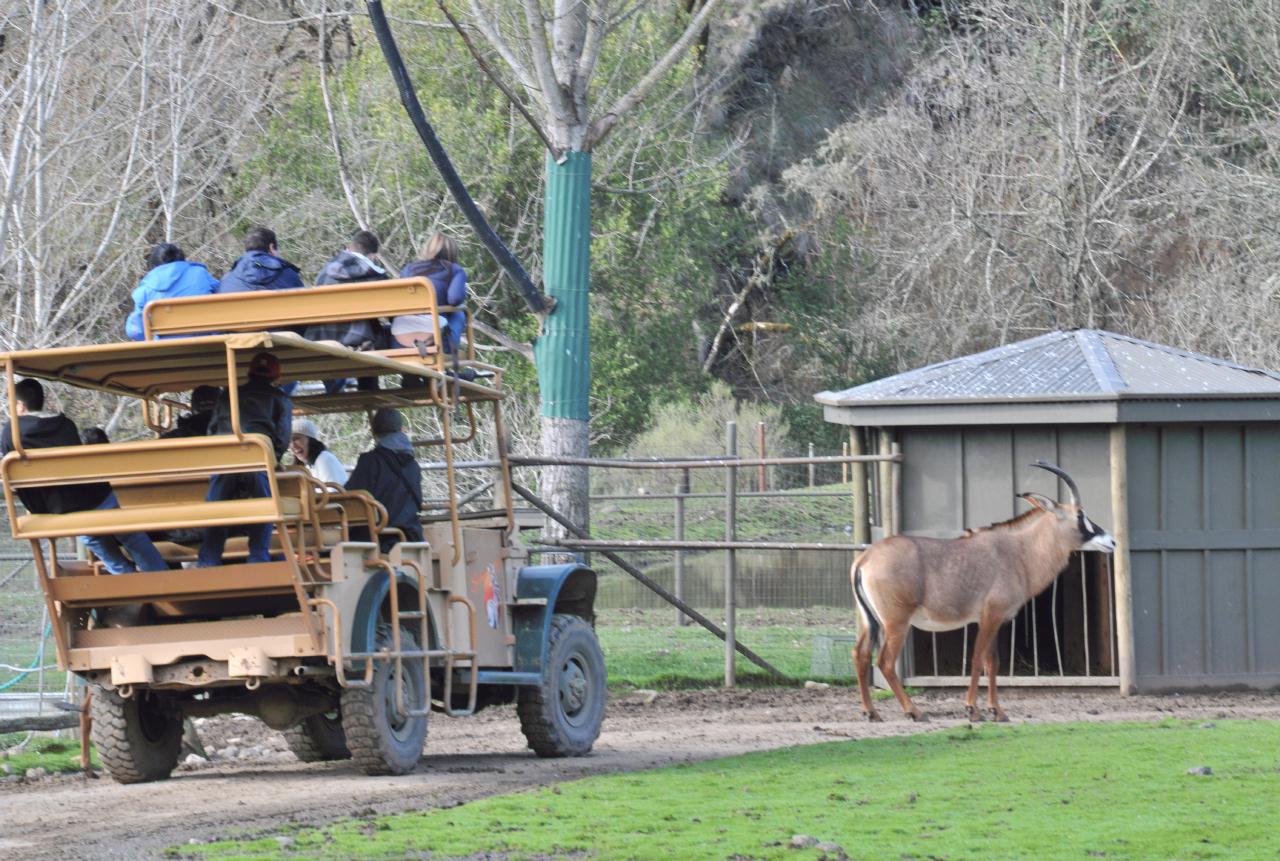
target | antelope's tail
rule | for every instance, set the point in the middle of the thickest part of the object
(874, 627)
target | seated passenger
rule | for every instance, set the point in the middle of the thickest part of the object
(40, 429)
(261, 267)
(195, 422)
(390, 473)
(94, 436)
(309, 451)
(170, 275)
(266, 410)
(439, 265)
(359, 262)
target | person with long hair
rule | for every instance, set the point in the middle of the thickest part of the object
(439, 265)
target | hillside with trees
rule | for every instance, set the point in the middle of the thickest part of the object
(816, 194)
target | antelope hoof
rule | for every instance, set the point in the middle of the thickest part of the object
(975, 714)
(918, 716)
(999, 716)
(873, 716)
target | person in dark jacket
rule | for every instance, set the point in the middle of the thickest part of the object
(170, 275)
(196, 422)
(439, 265)
(261, 267)
(359, 262)
(40, 429)
(390, 473)
(266, 410)
(94, 436)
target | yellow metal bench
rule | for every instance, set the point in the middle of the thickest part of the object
(161, 461)
(276, 310)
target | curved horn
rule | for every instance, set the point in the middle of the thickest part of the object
(1066, 479)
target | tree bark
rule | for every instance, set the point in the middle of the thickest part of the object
(566, 488)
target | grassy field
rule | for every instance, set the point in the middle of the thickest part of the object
(790, 516)
(644, 648)
(1069, 791)
(52, 754)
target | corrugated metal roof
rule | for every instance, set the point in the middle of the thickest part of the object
(1089, 363)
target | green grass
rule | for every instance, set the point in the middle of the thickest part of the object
(644, 648)
(52, 754)
(1069, 791)
(787, 517)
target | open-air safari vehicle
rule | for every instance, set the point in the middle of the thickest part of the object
(344, 647)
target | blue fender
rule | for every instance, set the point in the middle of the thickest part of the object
(364, 628)
(541, 592)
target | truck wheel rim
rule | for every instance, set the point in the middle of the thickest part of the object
(398, 722)
(574, 687)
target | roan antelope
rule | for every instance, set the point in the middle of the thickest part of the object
(985, 576)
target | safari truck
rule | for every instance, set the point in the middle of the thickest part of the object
(345, 648)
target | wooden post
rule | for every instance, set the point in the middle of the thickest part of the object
(895, 500)
(1123, 578)
(844, 467)
(730, 558)
(681, 489)
(886, 483)
(861, 525)
(762, 476)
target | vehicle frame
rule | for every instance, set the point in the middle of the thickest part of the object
(334, 634)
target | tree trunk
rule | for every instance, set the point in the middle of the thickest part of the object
(563, 353)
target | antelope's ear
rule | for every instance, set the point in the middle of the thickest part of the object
(1040, 501)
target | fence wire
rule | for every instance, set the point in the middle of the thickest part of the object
(794, 607)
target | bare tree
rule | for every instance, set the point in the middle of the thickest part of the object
(1059, 164)
(120, 130)
(553, 49)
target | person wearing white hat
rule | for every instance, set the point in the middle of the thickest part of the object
(310, 451)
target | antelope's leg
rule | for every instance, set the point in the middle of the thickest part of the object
(894, 637)
(993, 670)
(862, 666)
(981, 648)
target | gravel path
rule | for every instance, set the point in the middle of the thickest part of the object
(263, 786)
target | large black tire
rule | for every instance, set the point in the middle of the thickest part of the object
(380, 741)
(563, 714)
(138, 739)
(319, 738)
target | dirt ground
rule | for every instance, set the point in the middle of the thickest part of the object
(252, 784)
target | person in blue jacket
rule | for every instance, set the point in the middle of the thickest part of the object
(439, 265)
(261, 267)
(169, 276)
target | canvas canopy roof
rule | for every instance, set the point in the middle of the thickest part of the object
(1079, 376)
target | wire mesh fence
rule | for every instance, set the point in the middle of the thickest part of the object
(29, 677)
(793, 607)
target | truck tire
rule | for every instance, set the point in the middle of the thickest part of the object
(138, 739)
(380, 741)
(562, 715)
(319, 738)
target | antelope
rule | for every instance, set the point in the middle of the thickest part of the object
(984, 576)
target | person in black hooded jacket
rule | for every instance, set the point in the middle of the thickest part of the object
(391, 475)
(40, 429)
(264, 409)
(196, 422)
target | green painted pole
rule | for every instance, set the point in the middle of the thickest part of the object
(563, 352)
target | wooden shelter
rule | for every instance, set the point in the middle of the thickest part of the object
(1177, 453)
